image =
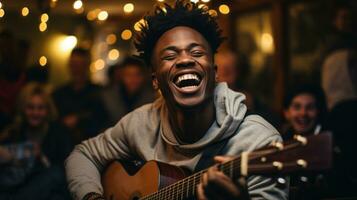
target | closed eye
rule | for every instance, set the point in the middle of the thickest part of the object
(197, 53)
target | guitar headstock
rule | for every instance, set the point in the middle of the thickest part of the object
(312, 153)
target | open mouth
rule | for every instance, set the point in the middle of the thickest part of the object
(188, 81)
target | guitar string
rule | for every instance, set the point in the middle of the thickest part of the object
(222, 166)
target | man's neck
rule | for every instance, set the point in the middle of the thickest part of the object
(190, 125)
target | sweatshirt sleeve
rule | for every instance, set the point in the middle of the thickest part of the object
(88, 159)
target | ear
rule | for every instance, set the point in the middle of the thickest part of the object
(155, 83)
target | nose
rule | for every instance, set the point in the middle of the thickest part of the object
(185, 60)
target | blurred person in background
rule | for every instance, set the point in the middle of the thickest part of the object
(233, 69)
(129, 88)
(79, 104)
(304, 110)
(33, 149)
(12, 74)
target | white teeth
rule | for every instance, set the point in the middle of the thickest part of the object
(187, 77)
(189, 87)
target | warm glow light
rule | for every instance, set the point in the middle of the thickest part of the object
(194, 1)
(0, 5)
(160, 0)
(113, 54)
(128, 8)
(224, 9)
(92, 15)
(103, 15)
(205, 1)
(68, 43)
(99, 64)
(25, 11)
(267, 43)
(126, 34)
(2, 12)
(77, 4)
(42, 61)
(42, 27)
(111, 38)
(203, 6)
(44, 17)
(213, 13)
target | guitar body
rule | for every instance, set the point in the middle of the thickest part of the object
(123, 181)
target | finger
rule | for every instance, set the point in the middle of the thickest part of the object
(200, 192)
(222, 159)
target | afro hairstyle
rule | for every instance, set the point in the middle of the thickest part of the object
(183, 13)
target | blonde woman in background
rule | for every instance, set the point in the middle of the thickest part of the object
(33, 148)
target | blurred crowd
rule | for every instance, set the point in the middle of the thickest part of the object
(40, 124)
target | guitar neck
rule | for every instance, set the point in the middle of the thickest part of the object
(278, 158)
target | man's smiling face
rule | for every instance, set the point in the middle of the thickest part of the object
(184, 69)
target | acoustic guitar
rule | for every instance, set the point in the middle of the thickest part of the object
(157, 180)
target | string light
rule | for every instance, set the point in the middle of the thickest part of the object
(99, 64)
(160, 0)
(68, 43)
(42, 61)
(103, 15)
(44, 17)
(93, 14)
(205, 1)
(77, 4)
(43, 26)
(126, 34)
(0, 5)
(113, 54)
(194, 1)
(128, 8)
(2, 12)
(224, 9)
(25, 11)
(111, 38)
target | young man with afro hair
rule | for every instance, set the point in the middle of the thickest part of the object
(193, 115)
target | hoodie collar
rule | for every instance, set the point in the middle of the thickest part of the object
(230, 112)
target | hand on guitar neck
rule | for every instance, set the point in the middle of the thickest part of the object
(216, 185)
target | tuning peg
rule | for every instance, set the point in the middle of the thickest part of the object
(277, 145)
(302, 163)
(278, 165)
(300, 139)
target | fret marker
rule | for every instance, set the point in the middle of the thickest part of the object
(300, 139)
(302, 163)
(244, 163)
(278, 165)
(278, 145)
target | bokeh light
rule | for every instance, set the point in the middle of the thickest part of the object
(42, 61)
(25, 11)
(126, 34)
(128, 8)
(224, 9)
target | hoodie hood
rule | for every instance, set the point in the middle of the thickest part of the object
(230, 112)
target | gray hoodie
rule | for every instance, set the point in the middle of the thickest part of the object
(145, 133)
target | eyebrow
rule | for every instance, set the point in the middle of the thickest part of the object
(174, 48)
